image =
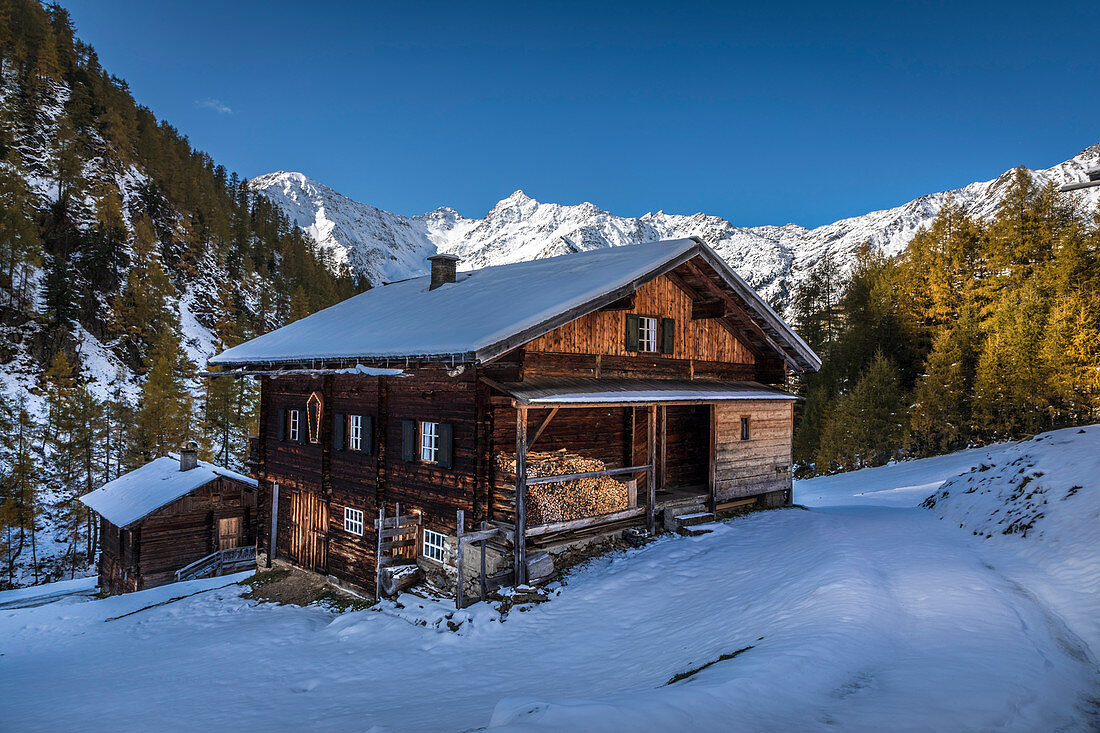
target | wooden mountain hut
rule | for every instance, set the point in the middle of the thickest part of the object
(531, 403)
(175, 518)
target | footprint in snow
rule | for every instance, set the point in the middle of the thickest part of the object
(306, 686)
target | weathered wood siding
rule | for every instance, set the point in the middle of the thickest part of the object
(311, 475)
(603, 332)
(436, 394)
(353, 476)
(760, 464)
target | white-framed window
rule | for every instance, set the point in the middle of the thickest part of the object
(353, 520)
(294, 424)
(647, 333)
(434, 545)
(355, 432)
(429, 441)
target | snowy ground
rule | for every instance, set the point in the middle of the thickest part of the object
(863, 613)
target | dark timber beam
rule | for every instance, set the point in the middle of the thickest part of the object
(712, 309)
(738, 311)
(543, 426)
(651, 473)
(521, 491)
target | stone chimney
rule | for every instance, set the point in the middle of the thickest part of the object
(189, 456)
(443, 270)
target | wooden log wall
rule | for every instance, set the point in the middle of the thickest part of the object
(760, 464)
(364, 480)
(353, 478)
(603, 332)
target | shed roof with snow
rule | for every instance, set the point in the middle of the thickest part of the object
(544, 391)
(488, 312)
(135, 495)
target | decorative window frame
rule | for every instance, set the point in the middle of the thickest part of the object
(433, 545)
(313, 417)
(428, 443)
(353, 521)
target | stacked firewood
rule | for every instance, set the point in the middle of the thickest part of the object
(558, 502)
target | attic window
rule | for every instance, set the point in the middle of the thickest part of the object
(650, 334)
(647, 333)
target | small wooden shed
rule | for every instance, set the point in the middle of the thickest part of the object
(175, 518)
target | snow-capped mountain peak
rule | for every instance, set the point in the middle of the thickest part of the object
(381, 246)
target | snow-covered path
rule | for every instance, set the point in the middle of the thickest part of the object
(859, 617)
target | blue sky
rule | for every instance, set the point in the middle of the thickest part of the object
(760, 113)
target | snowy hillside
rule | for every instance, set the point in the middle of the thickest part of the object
(1040, 499)
(865, 612)
(383, 247)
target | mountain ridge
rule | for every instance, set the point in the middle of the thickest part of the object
(381, 246)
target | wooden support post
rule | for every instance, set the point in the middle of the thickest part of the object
(712, 454)
(460, 585)
(651, 473)
(378, 554)
(274, 522)
(664, 447)
(484, 582)
(520, 549)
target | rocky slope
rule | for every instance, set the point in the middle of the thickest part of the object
(382, 246)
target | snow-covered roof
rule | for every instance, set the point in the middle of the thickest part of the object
(135, 495)
(489, 311)
(587, 390)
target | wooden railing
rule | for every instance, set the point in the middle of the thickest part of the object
(217, 563)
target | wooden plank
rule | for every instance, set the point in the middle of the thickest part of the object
(585, 522)
(481, 535)
(521, 491)
(397, 544)
(535, 480)
(402, 521)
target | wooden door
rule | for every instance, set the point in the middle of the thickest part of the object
(308, 522)
(229, 532)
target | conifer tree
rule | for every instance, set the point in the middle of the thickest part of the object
(165, 417)
(863, 427)
(19, 499)
(1011, 395)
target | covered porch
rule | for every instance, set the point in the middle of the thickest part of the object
(647, 448)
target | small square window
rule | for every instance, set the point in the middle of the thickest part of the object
(429, 441)
(353, 521)
(434, 545)
(294, 424)
(355, 432)
(647, 333)
(744, 428)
